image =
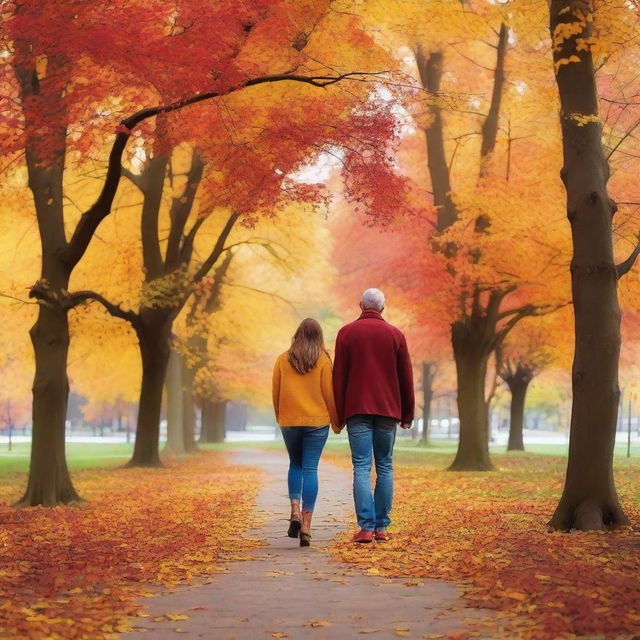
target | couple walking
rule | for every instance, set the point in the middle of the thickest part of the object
(370, 390)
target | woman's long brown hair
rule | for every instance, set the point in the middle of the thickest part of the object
(306, 346)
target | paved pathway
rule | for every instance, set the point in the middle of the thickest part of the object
(285, 589)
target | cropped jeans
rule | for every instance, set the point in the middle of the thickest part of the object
(371, 438)
(304, 445)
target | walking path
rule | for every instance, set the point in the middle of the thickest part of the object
(289, 592)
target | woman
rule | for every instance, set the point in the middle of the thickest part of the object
(304, 406)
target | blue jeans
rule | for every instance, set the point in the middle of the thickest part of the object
(304, 445)
(372, 436)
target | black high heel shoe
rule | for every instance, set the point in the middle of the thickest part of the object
(294, 528)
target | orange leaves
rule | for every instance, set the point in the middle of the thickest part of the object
(487, 533)
(77, 572)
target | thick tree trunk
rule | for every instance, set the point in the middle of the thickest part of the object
(589, 499)
(518, 387)
(427, 397)
(154, 335)
(188, 409)
(471, 352)
(49, 481)
(173, 383)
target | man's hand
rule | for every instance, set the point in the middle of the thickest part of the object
(407, 425)
(335, 429)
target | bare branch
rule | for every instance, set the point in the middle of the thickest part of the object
(626, 266)
(78, 297)
(217, 249)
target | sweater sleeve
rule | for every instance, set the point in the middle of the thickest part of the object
(405, 377)
(275, 387)
(326, 385)
(340, 378)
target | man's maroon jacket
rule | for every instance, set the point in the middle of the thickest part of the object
(372, 370)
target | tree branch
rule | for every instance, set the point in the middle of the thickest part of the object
(626, 266)
(134, 178)
(78, 297)
(101, 208)
(179, 213)
(217, 249)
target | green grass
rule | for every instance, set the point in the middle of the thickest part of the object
(85, 455)
(79, 455)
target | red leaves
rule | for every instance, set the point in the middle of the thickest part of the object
(487, 533)
(76, 572)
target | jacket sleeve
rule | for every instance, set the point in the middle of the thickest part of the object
(326, 385)
(275, 387)
(405, 377)
(340, 378)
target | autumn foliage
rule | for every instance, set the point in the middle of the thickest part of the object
(486, 533)
(80, 572)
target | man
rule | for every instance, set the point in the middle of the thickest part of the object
(373, 387)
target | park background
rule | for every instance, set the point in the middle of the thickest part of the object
(305, 151)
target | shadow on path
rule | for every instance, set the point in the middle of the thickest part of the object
(289, 592)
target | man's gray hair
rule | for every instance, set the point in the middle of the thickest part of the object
(373, 299)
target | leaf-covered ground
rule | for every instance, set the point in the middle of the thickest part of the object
(77, 572)
(486, 532)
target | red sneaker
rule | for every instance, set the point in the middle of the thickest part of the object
(381, 536)
(363, 536)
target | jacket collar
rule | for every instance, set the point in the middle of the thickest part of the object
(371, 313)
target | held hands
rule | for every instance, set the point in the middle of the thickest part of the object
(406, 425)
(336, 429)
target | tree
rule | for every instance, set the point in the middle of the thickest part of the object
(589, 499)
(47, 78)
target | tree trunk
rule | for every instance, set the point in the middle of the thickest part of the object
(589, 499)
(219, 423)
(154, 335)
(173, 383)
(430, 68)
(518, 386)
(188, 409)
(427, 397)
(49, 481)
(213, 423)
(471, 352)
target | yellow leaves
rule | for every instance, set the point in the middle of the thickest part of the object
(91, 565)
(279, 634)
(583, 119)
(317, 623)
(175, 616)
(490, 540)
(563, 61)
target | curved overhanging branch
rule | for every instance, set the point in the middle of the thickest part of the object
(65, 301)
(626, 266)
(101, 208)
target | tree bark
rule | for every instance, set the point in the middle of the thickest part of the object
(428, 374)
(430, 68)
(188, 409)
(49, 481)
(213, 421)
(175, 410)
(589, 499)
(471, 351)
(154, 335)
(518, 383)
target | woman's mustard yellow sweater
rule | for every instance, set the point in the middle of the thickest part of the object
(304, 400)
